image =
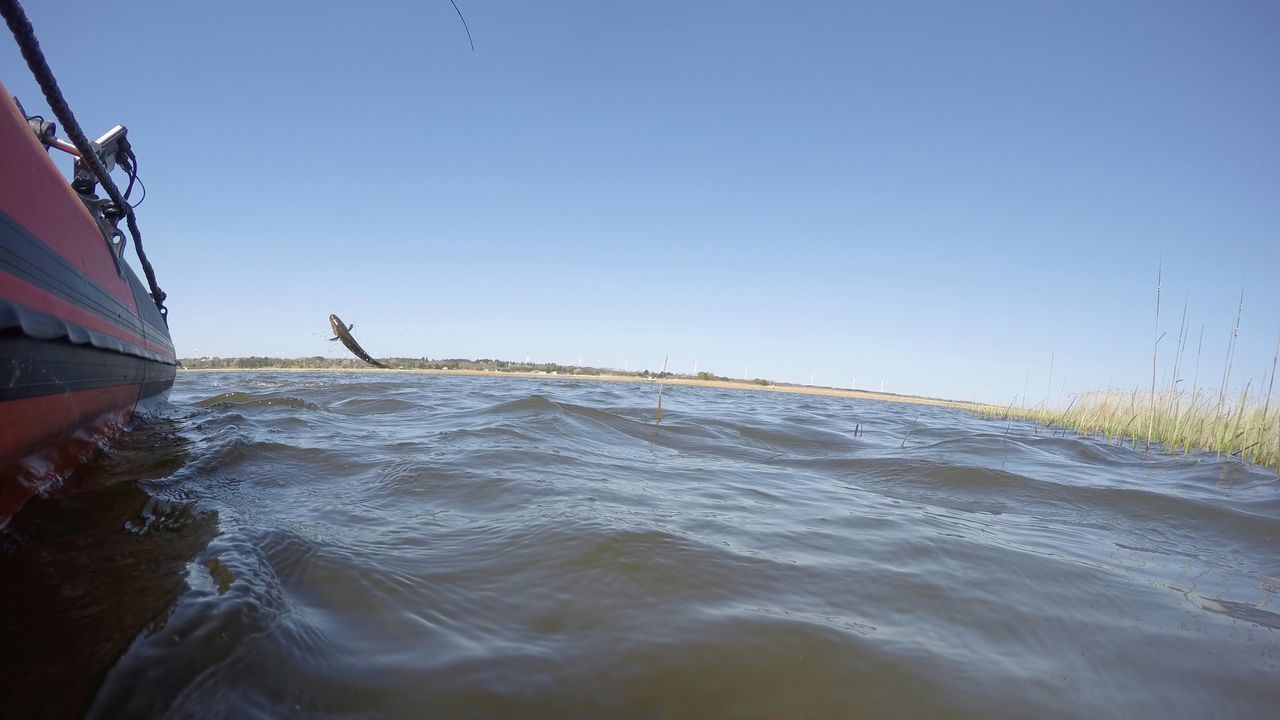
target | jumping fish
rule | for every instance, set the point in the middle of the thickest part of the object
(342, 331)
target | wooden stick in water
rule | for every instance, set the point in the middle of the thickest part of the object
(660, 379)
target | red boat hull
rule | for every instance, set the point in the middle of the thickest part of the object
(81, 342)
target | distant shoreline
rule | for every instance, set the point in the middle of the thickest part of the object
(688, 382)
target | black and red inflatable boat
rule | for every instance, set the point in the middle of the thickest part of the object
(84, 344)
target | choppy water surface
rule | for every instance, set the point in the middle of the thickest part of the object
(382, 545)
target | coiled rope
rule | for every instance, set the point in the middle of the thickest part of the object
(25, 35)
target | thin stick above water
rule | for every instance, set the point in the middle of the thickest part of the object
(661, 377)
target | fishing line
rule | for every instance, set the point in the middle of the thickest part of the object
(464, 24)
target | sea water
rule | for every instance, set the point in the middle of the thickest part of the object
(368, 545)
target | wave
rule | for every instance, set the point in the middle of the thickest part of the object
(255, 400)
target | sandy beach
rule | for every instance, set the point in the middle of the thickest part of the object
(722, 384)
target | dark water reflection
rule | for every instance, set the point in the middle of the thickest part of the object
(418, 546)
(89, 568)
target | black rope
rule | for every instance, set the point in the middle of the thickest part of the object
(25, 35)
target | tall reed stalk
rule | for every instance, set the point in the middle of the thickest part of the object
(1155, 346)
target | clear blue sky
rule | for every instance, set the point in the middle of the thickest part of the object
(939, 196)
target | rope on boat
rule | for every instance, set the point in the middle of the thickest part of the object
(25, 35)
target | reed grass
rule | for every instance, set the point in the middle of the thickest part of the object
(1172, 421)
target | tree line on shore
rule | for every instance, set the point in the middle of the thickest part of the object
(317, 362)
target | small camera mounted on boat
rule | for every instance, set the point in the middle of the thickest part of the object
(108, 148)
(112, 149)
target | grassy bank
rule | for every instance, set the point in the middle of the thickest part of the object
(1246, 427)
